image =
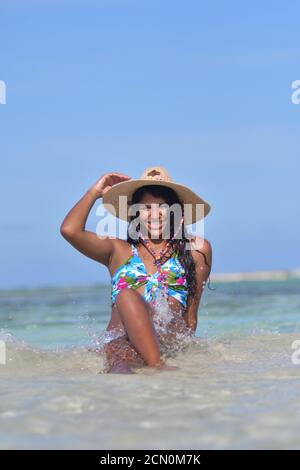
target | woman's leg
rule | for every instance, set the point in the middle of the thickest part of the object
(137, 322)
(121, 356)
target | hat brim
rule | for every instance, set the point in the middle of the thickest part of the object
(127, 188)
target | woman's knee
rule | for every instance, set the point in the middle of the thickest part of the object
(127, 295)
(132, 306)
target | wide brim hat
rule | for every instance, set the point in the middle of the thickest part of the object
(155, 175)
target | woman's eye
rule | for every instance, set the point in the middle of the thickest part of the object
(147, 210)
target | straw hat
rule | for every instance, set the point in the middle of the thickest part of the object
(155, 175)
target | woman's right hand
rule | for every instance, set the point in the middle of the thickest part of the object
(107, 181)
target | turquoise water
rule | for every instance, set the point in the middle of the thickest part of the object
(236, 386)
(74, 316)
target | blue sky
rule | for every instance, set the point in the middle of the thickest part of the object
(201, 88)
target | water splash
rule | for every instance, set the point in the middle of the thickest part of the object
(173, 333)
(163, 314)
(109, 335)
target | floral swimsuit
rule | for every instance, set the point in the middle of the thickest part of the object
(132, 273)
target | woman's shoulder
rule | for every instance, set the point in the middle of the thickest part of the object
(200, 246)
(120, 246)
(121, 250)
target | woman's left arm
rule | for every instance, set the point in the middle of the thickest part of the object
(202, 254)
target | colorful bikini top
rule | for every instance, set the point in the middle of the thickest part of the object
(132, 273)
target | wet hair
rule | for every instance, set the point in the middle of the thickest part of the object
(177, 244)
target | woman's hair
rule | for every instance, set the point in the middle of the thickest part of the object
(178, 244)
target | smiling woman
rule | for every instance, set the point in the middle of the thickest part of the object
(156, 281)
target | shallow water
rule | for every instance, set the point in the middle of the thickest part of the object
(236, 386)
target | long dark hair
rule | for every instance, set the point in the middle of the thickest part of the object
(177, 244)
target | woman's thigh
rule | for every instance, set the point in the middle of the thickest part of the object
(121, 350)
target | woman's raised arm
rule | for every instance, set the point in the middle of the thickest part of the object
(73, 225)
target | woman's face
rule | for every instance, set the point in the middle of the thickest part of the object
(154, 216)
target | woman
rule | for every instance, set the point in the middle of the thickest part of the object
(156, 291)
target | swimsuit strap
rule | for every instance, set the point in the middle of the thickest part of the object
(133, 249)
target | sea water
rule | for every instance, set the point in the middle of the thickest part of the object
(237, 386)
